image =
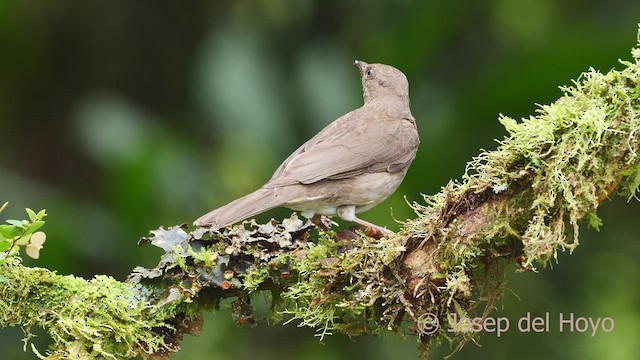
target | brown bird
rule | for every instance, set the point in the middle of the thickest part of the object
(352, 165)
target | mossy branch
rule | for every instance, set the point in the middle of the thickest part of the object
(522, 202)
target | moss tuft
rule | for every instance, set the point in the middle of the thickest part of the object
(98, 318)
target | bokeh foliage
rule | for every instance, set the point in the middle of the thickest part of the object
(121, 116)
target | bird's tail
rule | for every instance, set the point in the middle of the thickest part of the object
(255, 203)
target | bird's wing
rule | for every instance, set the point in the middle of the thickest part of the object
(352, 145)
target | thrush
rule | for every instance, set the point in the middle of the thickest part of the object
(350, 166)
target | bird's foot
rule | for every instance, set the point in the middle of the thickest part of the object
(377, 232)
(372, 230)
(348, 212)
(323, 222)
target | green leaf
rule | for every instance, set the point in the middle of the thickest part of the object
(18, 223)
(23, 240)
(42, 213)
(10, 231)
(35, 226)
(5, 245)
(32, 214)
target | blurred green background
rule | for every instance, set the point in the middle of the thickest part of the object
(120, 116)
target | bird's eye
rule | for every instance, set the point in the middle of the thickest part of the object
(369, 72)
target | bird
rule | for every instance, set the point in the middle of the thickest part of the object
(350, 166)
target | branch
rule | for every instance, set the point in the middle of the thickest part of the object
(522, 202)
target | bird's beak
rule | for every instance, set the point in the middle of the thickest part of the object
(361, 65)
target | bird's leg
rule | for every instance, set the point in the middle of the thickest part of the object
(348, 213)
(376, 228)
(323, 222)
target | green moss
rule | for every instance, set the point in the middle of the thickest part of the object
(527, 199)
(339, 282)
(631, 181)
(567, 158)
(256, 277)
(99, 318)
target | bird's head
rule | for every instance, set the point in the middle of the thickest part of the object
(381, 81)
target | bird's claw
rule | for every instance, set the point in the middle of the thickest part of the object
(323, 222)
